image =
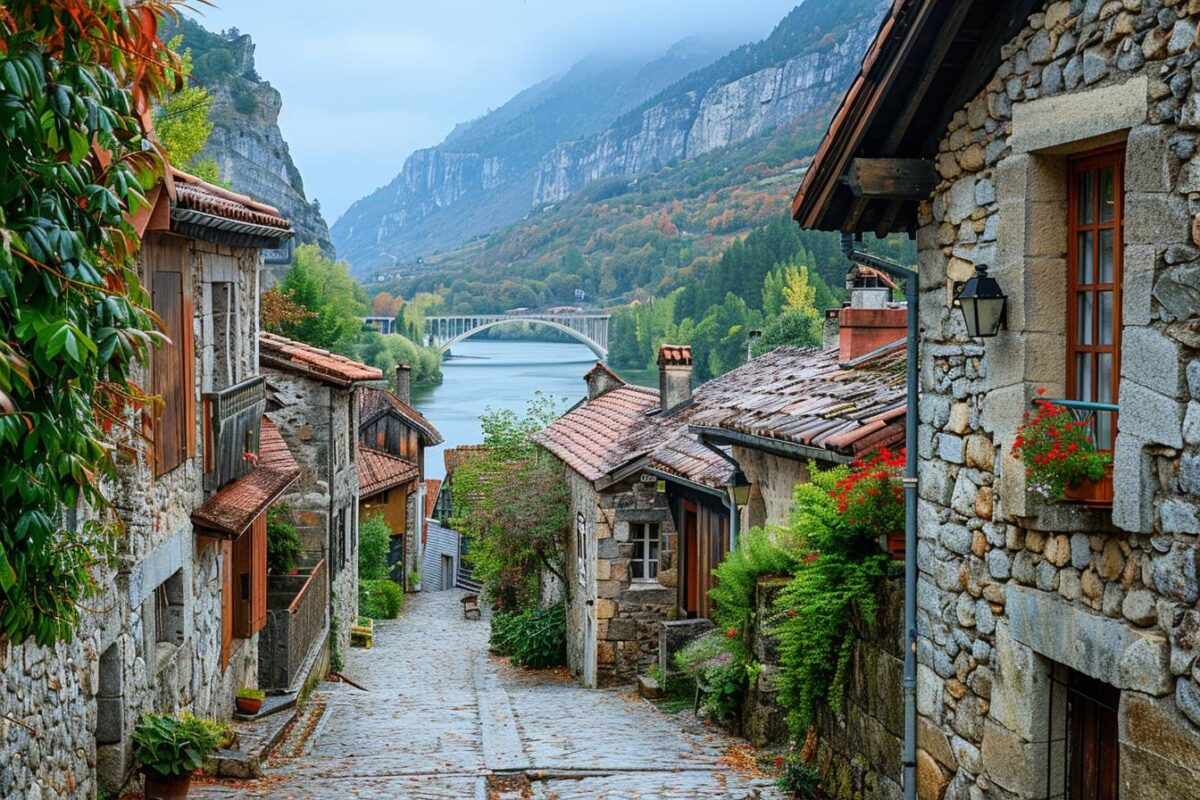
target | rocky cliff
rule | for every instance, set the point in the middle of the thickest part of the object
(246, 141)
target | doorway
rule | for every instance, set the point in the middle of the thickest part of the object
(691, 560)
(447, 571)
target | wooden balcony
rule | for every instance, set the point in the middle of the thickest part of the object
(232, 419)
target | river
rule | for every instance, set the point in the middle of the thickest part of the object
(488, 374)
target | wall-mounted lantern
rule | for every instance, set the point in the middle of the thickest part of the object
(741, 489)
(983, 304)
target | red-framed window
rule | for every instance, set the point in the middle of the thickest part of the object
(1094, 264)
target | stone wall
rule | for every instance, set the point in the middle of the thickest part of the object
(627, 612)
(1012, 592)
(70, 709)
(773, 485)
(316, 420)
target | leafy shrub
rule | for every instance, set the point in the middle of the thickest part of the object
(760, 552)
(380, 599)
(715, 662)
(836, 582)
(283, 542)
(799, 778)
(374, 547)
(172, 746)
(246, 693)
(535, 638)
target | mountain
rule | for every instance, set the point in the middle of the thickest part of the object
(246, 141)
(603, 119)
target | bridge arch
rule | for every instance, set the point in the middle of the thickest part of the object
(600, 351)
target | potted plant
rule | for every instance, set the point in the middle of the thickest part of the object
(249, 701)
(871, 499)
(1060, 457)
(414, 580)
(170, 748)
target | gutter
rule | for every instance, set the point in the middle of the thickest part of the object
(776, 447)
(909, 276)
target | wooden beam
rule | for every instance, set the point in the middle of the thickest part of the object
(891, 178)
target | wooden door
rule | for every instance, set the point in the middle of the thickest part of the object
(1092, 751)
(691, 559)
(227, 601)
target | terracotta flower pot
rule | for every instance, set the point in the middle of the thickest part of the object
(159, 787)
(248, 705)
(896, 545)
(1095, 494)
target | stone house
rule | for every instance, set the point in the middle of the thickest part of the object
(394, 436)
(176, 625)
(1055, 143)
(314, 403)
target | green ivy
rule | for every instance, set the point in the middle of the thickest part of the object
(836, 582)
(73, 316)
(284, 545)
(535, 638)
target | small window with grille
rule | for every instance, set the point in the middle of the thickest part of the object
(1083, 760)
(645, 536)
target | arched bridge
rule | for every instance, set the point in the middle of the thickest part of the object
(589, 329)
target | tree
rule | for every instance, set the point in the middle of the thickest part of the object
(77, 80)
(513, 504)
(182, 123)
(336, 301)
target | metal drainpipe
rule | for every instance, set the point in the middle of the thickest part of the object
(909, 276)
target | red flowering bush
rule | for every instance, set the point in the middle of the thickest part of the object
(871, 498)
(1057, 449)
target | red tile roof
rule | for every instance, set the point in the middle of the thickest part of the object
(283, 353)
(588, 437)
(452, 457)
(231, 511)
(199, 195)
(373, 401)
(432, 487)
(675, 355)
(379, 471)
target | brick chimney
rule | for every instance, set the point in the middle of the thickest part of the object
(404, 382)
(871, 320)
(601, 380)
(674, 375)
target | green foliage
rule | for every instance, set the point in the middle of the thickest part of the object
(183, 125)
(337, 661)
(374, 547)
(715, 661)
(173, 746)
(760, 552)
(380, 599)
(835, 585)
(512, 502)
(246, 693)
(535, 638)
(385, 351)
(798, 777)
(73, 315)
(336, 301)
(283, 541)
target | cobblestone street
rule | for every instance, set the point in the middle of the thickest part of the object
(439, 716)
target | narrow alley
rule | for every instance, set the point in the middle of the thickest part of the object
(439, 715)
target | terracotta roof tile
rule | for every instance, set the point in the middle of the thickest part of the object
(199, 195)
(432, 487)
(454, 456)
(232, 510)
(588, 437)
(283, 353)
(378, 472)
(371, 401)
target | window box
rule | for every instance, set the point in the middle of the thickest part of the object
(1094, 494)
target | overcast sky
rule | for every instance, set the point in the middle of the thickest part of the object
(366, 82)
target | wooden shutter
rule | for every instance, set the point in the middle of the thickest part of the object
(171, 364)
(250, 580)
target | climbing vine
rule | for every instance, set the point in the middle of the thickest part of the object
(841, 516)
(77, 81)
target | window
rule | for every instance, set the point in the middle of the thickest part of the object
(1084, 714)
(580, 547)
(644, 565)
(226, 338)
(168, 610)
(164, 259)
(1094, 256)
(341, 539)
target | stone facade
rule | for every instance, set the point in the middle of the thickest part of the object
(319, 422)
(152, 639)
(619, 614)
(1012, 593)
(773, 484)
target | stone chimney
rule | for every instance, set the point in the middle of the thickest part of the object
(404, 382)
(601, 380)
(871, 320)
(674, 375)
(829, 331)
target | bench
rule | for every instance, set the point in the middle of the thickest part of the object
(470, 605)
